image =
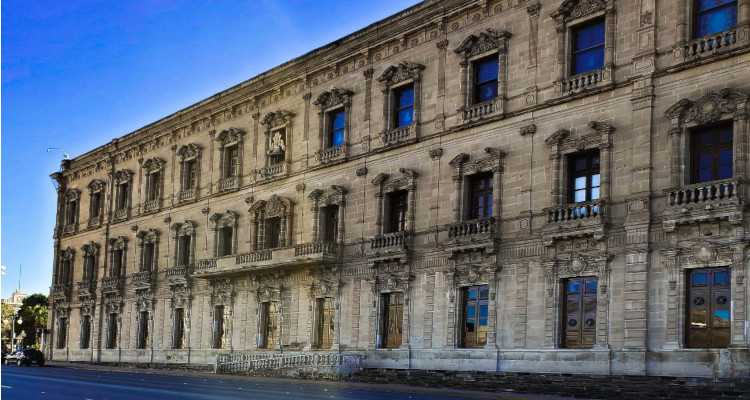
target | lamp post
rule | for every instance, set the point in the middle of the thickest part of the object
(13, 323)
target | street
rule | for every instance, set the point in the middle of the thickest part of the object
(48, 383)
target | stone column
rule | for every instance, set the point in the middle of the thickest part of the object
(492, 311)
(411, 208)
(496, 197)
(380, 211)
(457, 188)
(550, 304)
(743, 14)
(463, 95)
(283, 230)
(556, 192)
(738, 334)
(672, 312)
(675, 144)
(340, 222)
(451, 322)
(605, 173)
(368, 73)
(609, 37)
(306, 124)
(502, 78)
(254, 232)
(316, 221)
(261, 231)
(740, 128)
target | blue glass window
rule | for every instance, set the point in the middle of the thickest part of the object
(585, 177)
(713, 16)
(336, 130)
(588, 47)
(404, 106)
(485, 80)
(712, 154)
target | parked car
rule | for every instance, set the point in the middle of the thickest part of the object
(23, 357)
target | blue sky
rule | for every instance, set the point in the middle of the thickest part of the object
(76, 74)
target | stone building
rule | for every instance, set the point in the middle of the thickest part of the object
(489, 185)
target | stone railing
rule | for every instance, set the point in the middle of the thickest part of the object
(209, 263)
(399, 134)
(324, 248)
(575, 212)
(69, 229)
(471, 228)
(61, 289)
(254, 256)
(273, 170)
(238, 363)
(151, 206)
(186, 195)
(711, 43)
(120, 214)
(705, 192)
(94, 222)
(389, 240)
(228, 183)
(110, 283)
(478, 110)
(585, 80)
(176, 272)
(86, 286)
(330, 154)
(141, 278)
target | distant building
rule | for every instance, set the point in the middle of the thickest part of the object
(15, 300)
(466, 185)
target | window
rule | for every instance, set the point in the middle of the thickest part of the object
(404, 101)
(96, 204)
(85, 331)
(475, 316)
(122, 196)
(270, 327)
(191, 175)
(65, 276)
(708, 307)
(70, 212)
(149, 256)
(116, 262)
(231, 161)
(480, 205)
(112, 331)
(273, 232)
(326, 322)
(152, 191)
(330, 223)
(62, 334)
(143, 334)
(393, 319)
(712, 16)
(588, 47)
(178, 333)
(712, 154)
(277, 148)
(219, 330)
(485, 79)
(183, 251)
(584, 177)
(398, 202)
(579, 331)
(225, 241)
(336, 121)
(89, 267)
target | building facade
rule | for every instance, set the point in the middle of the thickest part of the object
(489, 185)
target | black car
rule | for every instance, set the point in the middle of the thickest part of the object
(23, 357)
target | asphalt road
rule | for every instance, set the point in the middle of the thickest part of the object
(49, 383)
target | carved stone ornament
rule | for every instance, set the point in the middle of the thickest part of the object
(118, 243)
(557, 136)
(710, 107)
(68, 254)
(113, 303)
(95, 186)
(225, 219)
(276, 118)
(123, 175)
(145, 300)
(268, 293)
(188, 151)
(490, 39)
(223, 292)
(571, 10)
(407, 181)
(90, 249)
(152, 164)
(149, 236)
(277, 206)
(181, 295)
(333, 97)
(323, 288)
(186, 228)
(72, 194)
(474, 274)
(87, 309)
(230, 135)
(704, 253)
(404, 71)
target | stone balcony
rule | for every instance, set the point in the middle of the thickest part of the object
(95, 222)
(274, 171)
(330, 155)
(281, 257)
(705, 201)
(470, 235)
(479, 111)
(228, 184)
(141, 279)
(70, 229)
(151, 206)
(715, 43)
(577, 219)
(121, 214)
(112, 284)
(402, 134)
(389, 246)
(86, 288)
(187, 196)
(61, 290)
(177, 274)
(585, 81)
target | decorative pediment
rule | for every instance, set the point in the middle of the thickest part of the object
(277, 118)
(576, 265)
(390, 282)
(87, 308)
(475, 274)
(95, 186)
(152, 164)
(223, 292)
(488, 40)
(123, 175)
(181, 295)
(571, 10)
(68, 254)
(72, 194)
(113, 303)
(188, 151)
(278, 206)
(711, 107)
(334, 97)
(556, 137)
(336, 196)
(149, 236)
(484, 164)
(186, 228)
(225, 219)
(407, 181)
(403, 72)
(230, 135)
(459, 160)
(268, 293)
(118, 243)
(90, 249)
(145, 300)
(324, 288)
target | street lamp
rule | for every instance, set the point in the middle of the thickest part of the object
(13, 321)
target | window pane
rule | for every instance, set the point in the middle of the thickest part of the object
(595, 180)
(589, 60)
(580, 183)
(705, 175)
(725, 172)
(721, 319)
(725, 135)
(470, 325)
(725, 157)
(484, 292)
(589, 36)
(574, 286)
(581, 164)
(580, 195)
(472, 294)
(721, 278)
(483, 311)
(405, 98)
(698, 319)
(594, 193)
(486, 91)
(405, 117)
(487, 70)
(707, 4)
(717, 20)
(338, 138)
(591, 286)
(338, 120)
(704, 160)
(700, 279)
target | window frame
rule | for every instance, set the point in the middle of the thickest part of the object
(179, 337)
(397, 107)
(588, 174)
(144, 333)
(485, 195)
(218, 330)
(112, 331)
(270, 323)
(476, 84)
(573, 47)
(709, 290)
(397, 222)
(330, 225)
(467, 341)
(717, 147)
(587, 333)
(85, 342)
(325, 338)
(392, 338)
(62, 334)
(695, 31)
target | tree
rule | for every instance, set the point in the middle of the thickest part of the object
(7, 314)
(34, 314)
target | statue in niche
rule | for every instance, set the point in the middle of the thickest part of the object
(277, 147)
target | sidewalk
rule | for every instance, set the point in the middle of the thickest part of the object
(132, 368)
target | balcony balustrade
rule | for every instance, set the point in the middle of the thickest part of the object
(479, 110)
(586, 80)
(401, 134)
(274, 170)
(121, 214)
(142, 278)
(111, 283)
(711, 44)
(95, 222)
(188, 195)
(227, 184)
(471, 234)
(330, 154)
(152, 206)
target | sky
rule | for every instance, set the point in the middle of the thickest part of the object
(77, 74)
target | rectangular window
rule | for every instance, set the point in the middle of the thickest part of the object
(712, 154)
(708, 307)
(330, 223)
(62, 334)
(96, 199)
(143, 333)
(178, 333)
(70, 212)
(112, 334)
(89, 266)
(191, 175)
(584, 177)
(398, 203)
(588, 47)
(393, 319)
(153, 186)
(85, 331)
(485, 79)
(273, 232)
(183, 254)
(218, 328)
(480, 205)
(712, 16)
(270, 325)
(326, 322)
(404, 102)
(579, 330)
(475, 316)
(231, 161)
(116, 263)
(225, 241)
(148, 256)
(277, 152)
(122, 196)
(336, 122)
